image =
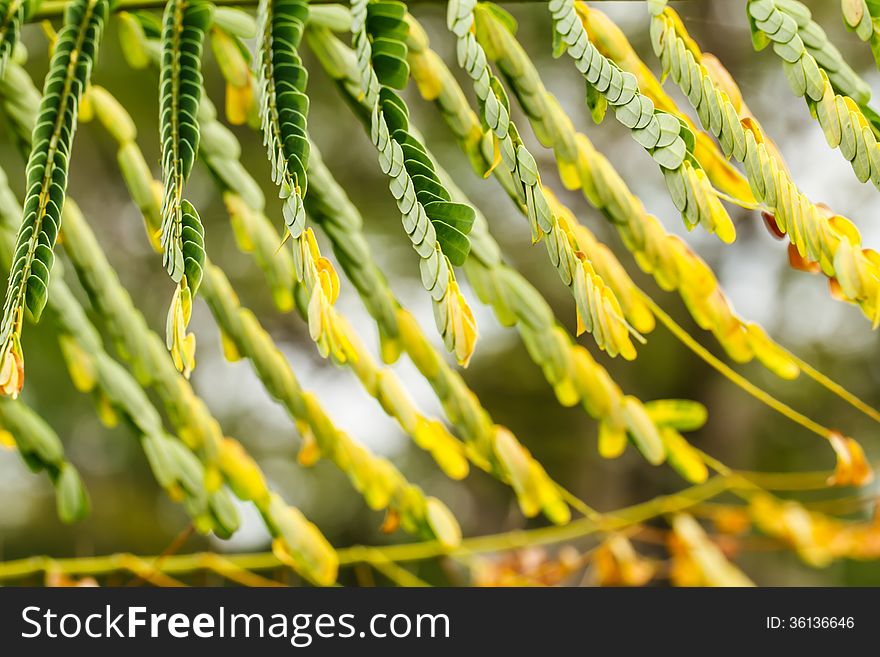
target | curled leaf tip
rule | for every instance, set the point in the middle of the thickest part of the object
(11, 367)
(460, 327)
(181, 344)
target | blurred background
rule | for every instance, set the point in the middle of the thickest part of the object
(131, 513)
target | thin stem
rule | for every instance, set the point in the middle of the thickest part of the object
(836, 388)
(187, 563)
(736, 378)
(398, 574)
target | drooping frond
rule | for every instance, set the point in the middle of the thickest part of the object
(377, 479)
(284, 104)
(69, 71)
(613, 43)
(220, 151)
(664, 136)
(297, 539)
(842, 120)
(436, 226)
(284, 107)
(598, 310)
(331, 207)
(92, 370)
(182, 237)
(672, 263)
(819, 235)
(841, 75)
(12, 14)
(575, 376)
(666, 256)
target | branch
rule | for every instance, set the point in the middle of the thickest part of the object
(183, 564)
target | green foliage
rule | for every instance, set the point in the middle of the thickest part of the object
(180, 87)
(598, 309)
(667, 139)
(844, 123)
(436, 228)
(831, 241)
(285, 105)
(182, 234)
(195, 461)
(69, 71)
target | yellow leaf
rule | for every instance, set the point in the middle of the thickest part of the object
(683, 457)
(112, 115)
(515, 459)
(643, 431)
(681, 414)
(442, 523)
(425, 74)
(416, 345)
(106, 413)
(713, 566)
(535, 490)
(309, 451)
(447, 451)
(612, 440)
(771, 355)
(181, 344)
(618, 564)
(230, 349)
(230, 59)
(390, 348)
(566, 392)
(463, 324)
(391, 522)
(239, 103)
(132, 39)
(241, 472)
(301, 545)
(239, 217)
(12, 366)
(79, 363)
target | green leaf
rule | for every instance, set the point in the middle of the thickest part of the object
(454, 243)
(643, 431)
(458, 215)
(681, 414)
(389, 47)
(430, 185)
(395, 112)
(180, 88)
(391, 71)
(71, 496)
(284, 104)
(597, 103)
